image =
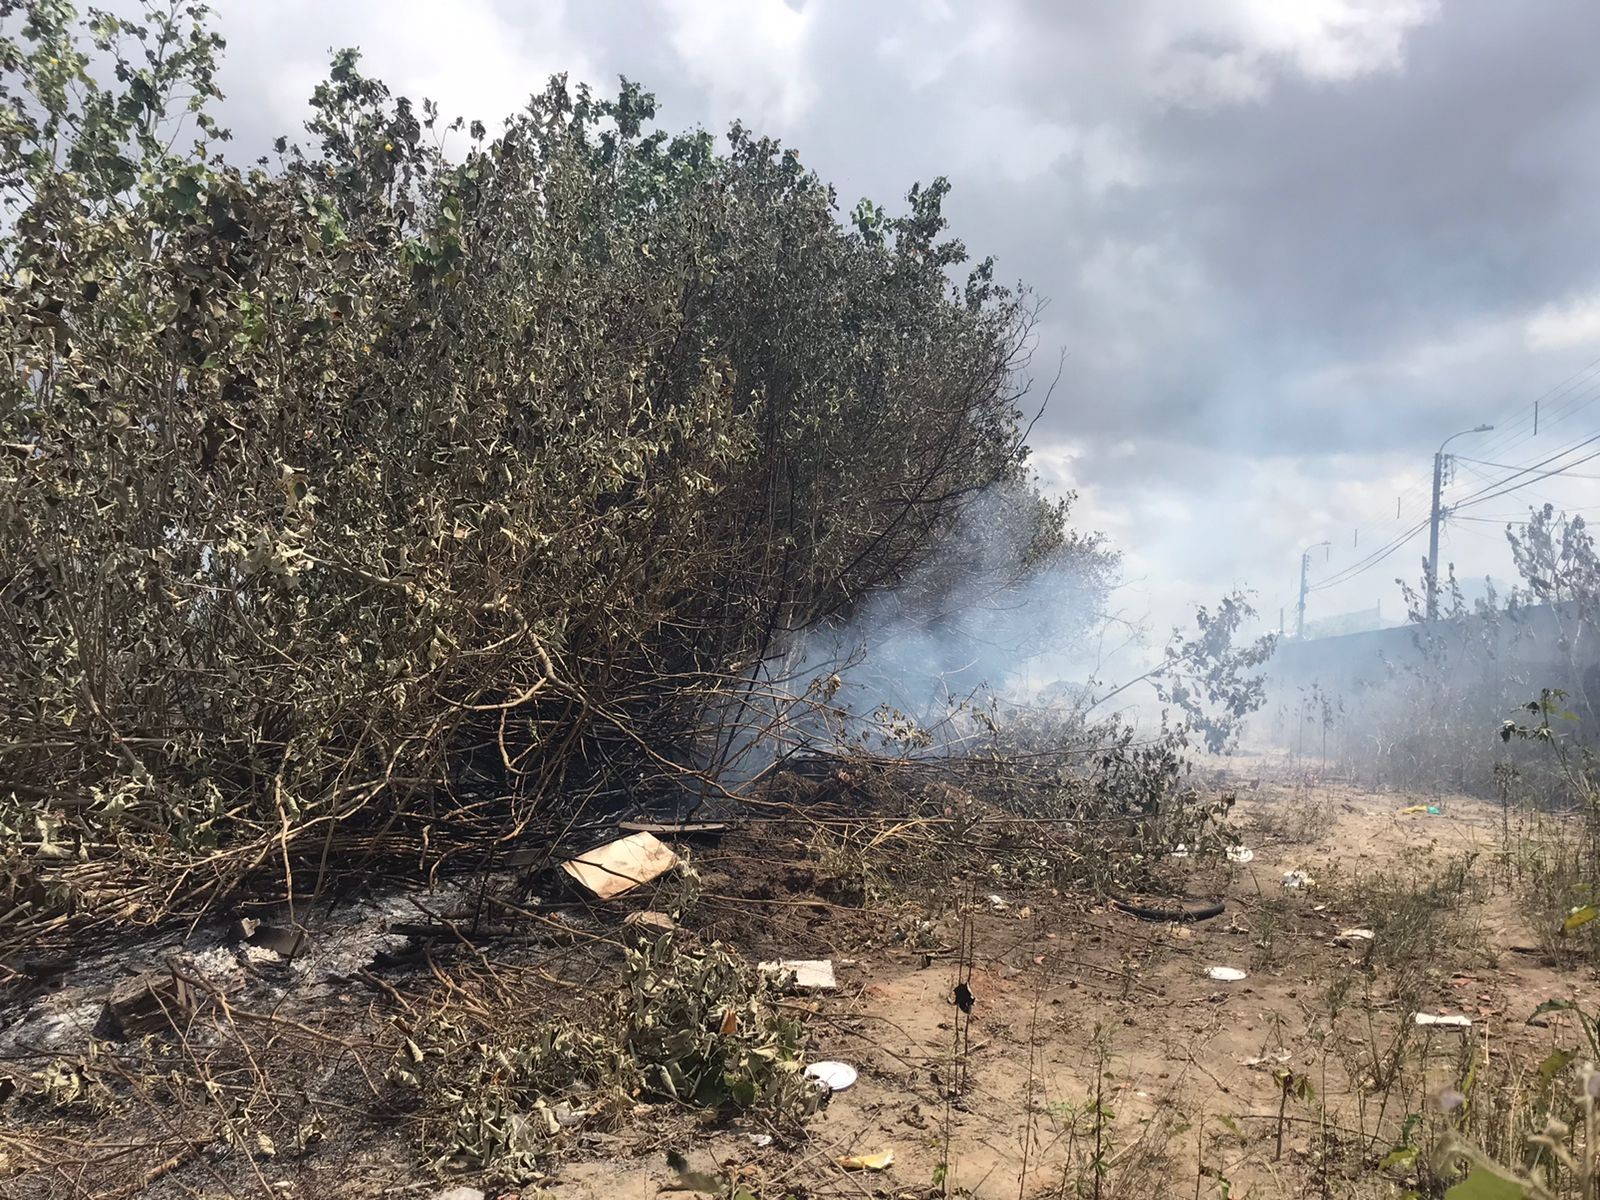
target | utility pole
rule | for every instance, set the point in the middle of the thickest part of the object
(1305, 567)
(1436, 515)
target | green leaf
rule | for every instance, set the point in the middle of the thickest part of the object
(1556, 1005)
(1580, 917)
(1484, 1184)
(1402, 1158)
(1556, 1063)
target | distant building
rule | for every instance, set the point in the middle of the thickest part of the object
(1363, 621)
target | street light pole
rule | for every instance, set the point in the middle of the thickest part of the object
(1437, 515)
(1305, 567)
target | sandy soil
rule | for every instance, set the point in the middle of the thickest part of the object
(1064, 993)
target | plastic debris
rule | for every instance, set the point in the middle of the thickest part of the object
(1180, 851)
(568, 1117)
(760, 1139)
(1296, 880)
(620, 866)
(1259, 1061)
(1579, 917)
(1225, 974)
(998, 903)
(835, 1076)
(1241, 854)
(802, 974)
(1356, 935)
(281, 940)
(1444, 1021)
(868, 1162)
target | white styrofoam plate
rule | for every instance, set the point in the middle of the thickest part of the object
(835, 1076)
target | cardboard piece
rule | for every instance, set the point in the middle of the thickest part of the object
(620, 866)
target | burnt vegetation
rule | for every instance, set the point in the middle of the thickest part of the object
(411, 502)
(420, 455)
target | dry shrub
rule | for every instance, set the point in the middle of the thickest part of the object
(372, 500)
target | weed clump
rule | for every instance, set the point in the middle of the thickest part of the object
(690, 1026)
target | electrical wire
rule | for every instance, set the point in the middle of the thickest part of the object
(1460, 458)
(1371, 560)
(1479, 497)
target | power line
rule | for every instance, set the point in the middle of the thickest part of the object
(1516, 518)
(1571, 396)
(1372, 560)
(1511, 426)
(1479, 496)
(1461, 458)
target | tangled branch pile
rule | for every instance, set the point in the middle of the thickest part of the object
(422, 455)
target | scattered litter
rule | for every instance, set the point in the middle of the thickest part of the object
(835, 1076)
(567, 1116)
(802, 974)
(1225, 974)
(1295, 880)
(1579, 917)
(1241, 854)
(652, 922)
(282, 940)
(459, 1193)
(998, 903)
(868, 1162)
(1256, 1061)
(1356, 935)
(1445, 1021)
(760, 1139)
(621, 866)
(1431, 809)
(1180, 851)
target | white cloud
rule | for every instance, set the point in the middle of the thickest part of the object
(472, 58)
(1332, 40)
(748, 55)
(1575, 322)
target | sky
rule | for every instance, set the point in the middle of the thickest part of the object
(1287, 248)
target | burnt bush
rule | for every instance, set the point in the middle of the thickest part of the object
(420, 454)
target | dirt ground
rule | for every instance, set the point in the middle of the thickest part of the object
(1190, 1068)
(1100, 1058)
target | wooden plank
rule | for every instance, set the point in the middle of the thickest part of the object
(156, 1000)
(620, 866)
(675, 829)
